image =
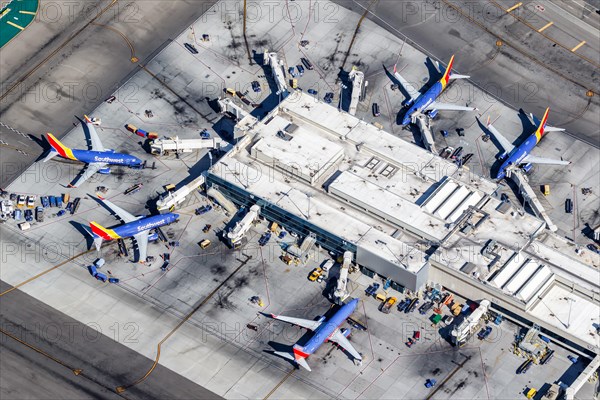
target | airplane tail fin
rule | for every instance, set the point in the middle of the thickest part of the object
(300, 356)
(60, 148)
(102, 233)
(446, 77)
(542, 125)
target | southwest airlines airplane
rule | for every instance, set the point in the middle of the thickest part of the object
(325, 331)
(520, 155)
(97, 158)
(137, 228)
(426, 102)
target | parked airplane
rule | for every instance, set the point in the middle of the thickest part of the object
(517, 156)
(426, 102)
(137, 228)
(96, 158)
(324, 331)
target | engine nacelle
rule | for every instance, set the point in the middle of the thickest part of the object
(502, 156)
(109, 150)
(433, 113)
(346, 332)
(104, 171)
(153, 237)
(321, 318)
(407, 103)
(527, 167)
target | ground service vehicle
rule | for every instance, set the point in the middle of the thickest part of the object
(546, 190)
(21, 201)
(376, 112)
(568, 206)
(312, 91)
(523, 368)
(39, 214)
(372, 289)
(294, 83)
(292, 72)
(28, 215)
(256, 86)
(204, 244)
(45, 201)
(387, 306)
(30, 201)
(412, 305)
(485, 332)
(327, 266)
(206, 228)
(300, 70)
(191, 48)
(315, 274)
(307, 63)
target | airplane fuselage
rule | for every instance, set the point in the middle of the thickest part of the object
(133, 228)
(107, 157)
(328, 328)
(518, 154)
(423, 101)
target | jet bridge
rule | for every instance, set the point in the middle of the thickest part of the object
(176, 145)
(358, 86)
(170, 200)
(529, 196)
(276, 64)
(424, 125)
(341, 293)
(235, 236)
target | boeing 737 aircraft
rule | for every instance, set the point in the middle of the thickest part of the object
(426, 102)
(324, 331)
(517, 156)
(97, 158)
(137, 228)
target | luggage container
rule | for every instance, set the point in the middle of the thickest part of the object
(113, 280)
(92, 270)
(101, 277)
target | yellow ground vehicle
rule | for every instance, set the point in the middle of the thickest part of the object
(230, 92)
(315, 274)
(387, 306)
(294, 83)
(205, 243)
(274, 226)
(546, 190)
(531, 393)
(380, 297)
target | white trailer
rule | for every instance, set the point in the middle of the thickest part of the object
(358, 80)
(236, 235)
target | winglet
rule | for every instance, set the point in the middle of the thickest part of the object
(87, 119)
(100, 196)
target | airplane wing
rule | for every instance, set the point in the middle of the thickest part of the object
(141, 239)
(89, 170)
(305, 323)
(120, 213)
(410, 89)
(548, 128)
(449, 107)
(94, 138)
(540, 160)
(340, 339)
(506, 145)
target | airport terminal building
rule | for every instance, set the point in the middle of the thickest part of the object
(406, 214)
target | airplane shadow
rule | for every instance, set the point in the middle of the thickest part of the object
(85, 232)
(282, 348)
(43, 143)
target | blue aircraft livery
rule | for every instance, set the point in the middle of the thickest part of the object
(137, 228)
(521, 156)
(324, 331)
(97, 158)
(426, 103)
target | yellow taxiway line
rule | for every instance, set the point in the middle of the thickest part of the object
(578, 46)
(548, 25)
(519, 4)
